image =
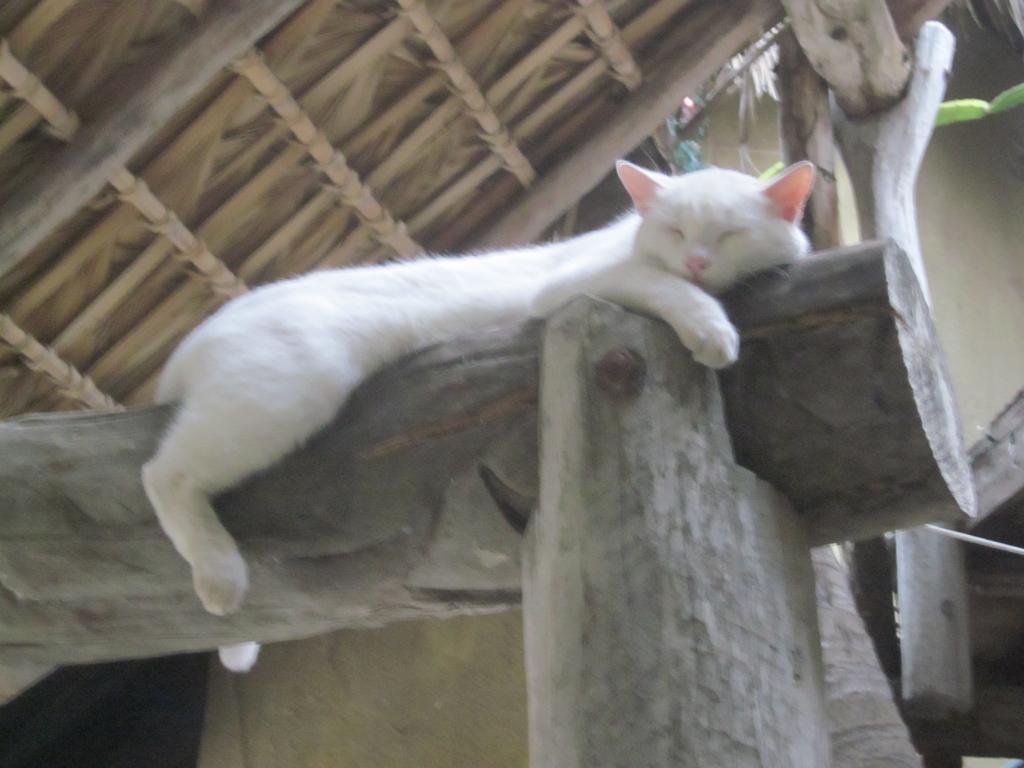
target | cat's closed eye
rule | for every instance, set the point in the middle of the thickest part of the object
(730, 233)
(678, 232)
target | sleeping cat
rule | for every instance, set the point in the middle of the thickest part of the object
(269, 369)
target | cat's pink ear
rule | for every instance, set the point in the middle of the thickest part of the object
(791, 188)
(642, 185)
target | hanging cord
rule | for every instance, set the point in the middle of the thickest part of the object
(977, 540)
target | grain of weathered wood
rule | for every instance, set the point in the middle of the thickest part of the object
(998, 461)
(821, 363)
(854, 45)
(131, 115)
(668, 596)
(384, 516)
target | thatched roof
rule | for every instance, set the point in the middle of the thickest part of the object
(448, 111)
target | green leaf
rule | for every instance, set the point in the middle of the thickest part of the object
(772, 170)
(1008, 99)
(961, 111)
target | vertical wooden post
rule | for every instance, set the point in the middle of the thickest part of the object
(883, 154)
(668, 594)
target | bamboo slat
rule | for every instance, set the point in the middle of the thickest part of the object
(494, 133)
(330, 161)
(607, 36)
(30, 89)
(68, 379)
(130, 188)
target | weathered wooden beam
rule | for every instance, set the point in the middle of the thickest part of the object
(668, 595)
(129, 118)
(720, 30)
(855, 47)
(997, 461)
(836, 400)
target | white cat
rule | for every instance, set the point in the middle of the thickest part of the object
(269, 369)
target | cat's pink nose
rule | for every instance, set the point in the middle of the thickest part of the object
(697, 263)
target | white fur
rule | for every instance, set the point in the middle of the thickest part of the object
(266, 371)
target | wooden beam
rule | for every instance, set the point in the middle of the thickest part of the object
(385, 515)
(330, 160)
(68, 380)
(719, 32)
(131, 116)
(855, 47)
(608, 37)
(495, 134)
(997, 461)
(668, 595)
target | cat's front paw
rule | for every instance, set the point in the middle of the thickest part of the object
(221, 580)
(717, 344)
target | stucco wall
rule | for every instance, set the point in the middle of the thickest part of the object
(451, 693)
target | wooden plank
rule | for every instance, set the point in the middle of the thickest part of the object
(997, 461)
(719, 32)
(854, 45)
(668, 598)
(385, 516)
(133, 112)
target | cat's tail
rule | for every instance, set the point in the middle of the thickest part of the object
(239, 657)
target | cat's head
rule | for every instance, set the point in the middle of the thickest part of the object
(715, 226)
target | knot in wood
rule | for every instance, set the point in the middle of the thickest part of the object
(620, 373)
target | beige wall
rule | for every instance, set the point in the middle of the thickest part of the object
(451, 693)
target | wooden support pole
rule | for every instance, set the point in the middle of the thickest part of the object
(883, 154)
(805, 124)
(668, 593)
(390, 514)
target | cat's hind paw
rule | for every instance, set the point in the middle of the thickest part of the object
(221, 580)
(717, 346)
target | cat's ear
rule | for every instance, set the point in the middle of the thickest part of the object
(641, 184)
(790, 190)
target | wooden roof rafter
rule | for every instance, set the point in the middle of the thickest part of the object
(329, 159)
(495, 133)
(608, 37)
(130, 188)
(68, 379)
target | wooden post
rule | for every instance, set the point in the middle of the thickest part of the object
(883, 154)
(668, 593)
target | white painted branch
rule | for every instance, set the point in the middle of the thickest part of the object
(668, 593)
(883, 152)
